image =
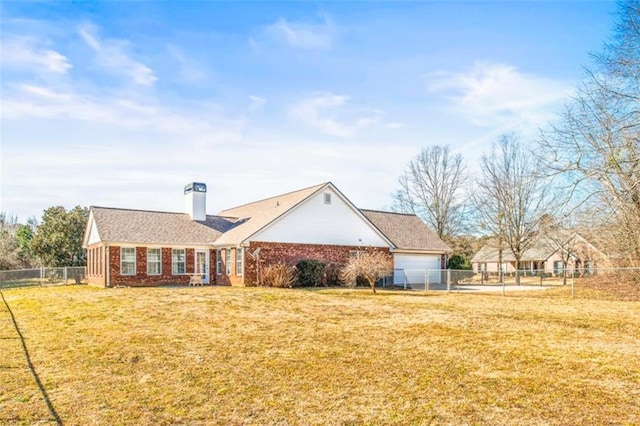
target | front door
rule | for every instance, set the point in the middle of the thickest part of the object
(202, 265)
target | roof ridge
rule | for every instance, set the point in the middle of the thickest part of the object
(276, 196)
(136, 210)
(387, 212)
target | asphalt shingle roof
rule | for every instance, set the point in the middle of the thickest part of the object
(541, 249)
(254, 216)
(152, 227)
(406, 231)
(234, 225)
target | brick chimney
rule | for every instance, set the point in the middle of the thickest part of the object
(195, 200)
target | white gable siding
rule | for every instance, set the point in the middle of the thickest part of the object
(94, 237)
(316, 222)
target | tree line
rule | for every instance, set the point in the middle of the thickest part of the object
(54, 241)
(582, 170)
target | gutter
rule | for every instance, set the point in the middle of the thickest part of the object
(107, 282)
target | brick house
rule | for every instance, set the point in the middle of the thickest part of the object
(147, 248)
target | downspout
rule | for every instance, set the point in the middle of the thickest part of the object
(107, 267)
(245, 249)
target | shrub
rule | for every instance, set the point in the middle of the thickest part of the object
(459, 262)
(367, 266)
(279, 275)
(331, 276)
(310, 273)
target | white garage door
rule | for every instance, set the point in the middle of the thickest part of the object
(413, 266)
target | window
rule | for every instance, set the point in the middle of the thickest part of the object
(178, 261)
(327, 198)
(238, 261)
(154, 261)
(227, 253)
(588, 267)
(558, 267)
(127, 260)
(219, 262)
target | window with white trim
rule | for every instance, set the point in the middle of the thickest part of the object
(127, 260)
(238, 261)
(327, 198)
(154, 261)
(558, 267)
(219, 262)
(227, 260)
(178, 261)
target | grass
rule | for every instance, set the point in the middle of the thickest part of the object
(268, 356)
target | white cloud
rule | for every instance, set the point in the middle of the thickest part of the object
(112, 54)
(302, 35)
(27, 53)
(199, 123)
(331, 114)
(498, 94)
(256, 103)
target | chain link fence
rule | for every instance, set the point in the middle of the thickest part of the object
(602, 283)
(43, 277)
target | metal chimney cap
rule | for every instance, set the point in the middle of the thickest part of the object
(195, 187)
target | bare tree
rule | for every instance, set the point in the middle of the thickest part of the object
(595, 144)
(511, 196)
(370, 266)
(560, 237)
(431, 187)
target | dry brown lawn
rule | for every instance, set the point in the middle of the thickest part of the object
(289, 357)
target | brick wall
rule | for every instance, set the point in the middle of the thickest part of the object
(223, 278)
(270, 253)
(291, 253)
(141, 279)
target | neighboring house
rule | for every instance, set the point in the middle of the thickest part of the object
(145, 248)
(546, 254)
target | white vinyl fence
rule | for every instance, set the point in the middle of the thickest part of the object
(43, 277)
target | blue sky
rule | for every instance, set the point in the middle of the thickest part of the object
(123, 103)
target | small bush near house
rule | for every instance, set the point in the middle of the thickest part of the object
(331, 276)
(279, 275)
(310, 272)
(367, 266)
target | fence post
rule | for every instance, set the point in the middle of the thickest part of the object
(404, 272)
(41, 277)
(448, 282)
(573, 279)
(64, 275)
